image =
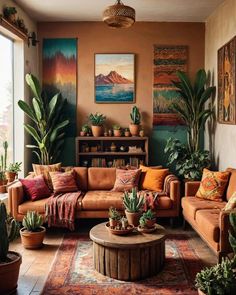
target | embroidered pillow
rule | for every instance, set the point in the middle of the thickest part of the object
(153, 179)
(63, 182)
(213, 185)
(231, 204)
(126, 180)
(44, 170)
(35, 188)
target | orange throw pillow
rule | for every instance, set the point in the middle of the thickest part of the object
(63, 182)
(44, 170)
(153, 179)
(213, 185)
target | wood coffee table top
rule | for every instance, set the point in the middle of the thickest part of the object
(100, 235)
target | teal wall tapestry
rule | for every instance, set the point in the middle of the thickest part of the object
(60, 75)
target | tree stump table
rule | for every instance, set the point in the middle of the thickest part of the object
(128, 258)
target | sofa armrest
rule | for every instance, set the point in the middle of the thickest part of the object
(224, 225)
(191, 188)
(175, 187)
(15, 198)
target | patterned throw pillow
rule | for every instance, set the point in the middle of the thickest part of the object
(231, 204)
(63, 182)
(153, 179)
(126, 180)
(44, 170)
(213, 185)
(35, 188)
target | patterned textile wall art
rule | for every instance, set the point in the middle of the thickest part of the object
(60, 75)
(167, 60)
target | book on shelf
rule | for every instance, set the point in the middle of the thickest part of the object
(98, 162)
(117, 163)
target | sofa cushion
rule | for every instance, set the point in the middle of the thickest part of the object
(101, 178)
(192, 204)
(208, 223)
(102, 200)
(126, 180)
(44, 170)
(63, 182)
(232, 183)
(81, 175)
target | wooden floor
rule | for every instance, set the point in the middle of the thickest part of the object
(36, 263)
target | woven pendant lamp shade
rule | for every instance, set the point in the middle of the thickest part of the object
(119, 15)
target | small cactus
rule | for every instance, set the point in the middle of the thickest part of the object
(114, 214)
(32, 221)
(132, 202)
(135, 115)
(9, 230)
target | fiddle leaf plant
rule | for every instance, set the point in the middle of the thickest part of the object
(48, 123)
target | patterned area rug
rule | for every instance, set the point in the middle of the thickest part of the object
(72, 272)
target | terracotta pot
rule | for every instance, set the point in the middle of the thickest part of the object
(9, 273)
(3, 189)
(117, 133)
(82, 133)
(32, 240)
(97, 131)
(10, 176)
(133, 217)
(200, 292)
(150, 222)
(134, 129)
(113, 222)
(127, 134)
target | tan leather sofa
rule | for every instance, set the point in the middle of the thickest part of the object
(207, 217)
(97, 184)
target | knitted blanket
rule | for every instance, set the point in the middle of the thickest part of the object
(60, 209)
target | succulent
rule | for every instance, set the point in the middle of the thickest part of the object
(148, 215)
(97, 119)
(9, 230)
(132, 201)
(116, 127)
(114, 214)
(32, 221)
(232, 232)
(7, 11)
(135, 116)
(142, 222)
(86, 128)
(14, 167)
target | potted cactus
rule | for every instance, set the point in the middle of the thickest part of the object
(32, 233)
(133, 204)
(3, 167)
(86, 130)
(114, 217)
(12, 171)
(117, 131)
(9, 261)
(136, 119)
(148, 219)
(127, 132)
(97, 120)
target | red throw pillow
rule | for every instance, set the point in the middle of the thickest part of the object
(35, 188)
(63, 182)
(126, 180)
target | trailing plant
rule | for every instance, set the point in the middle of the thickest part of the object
(191, 108)
(9, 230)
(132, 201)
(14, 167)
(188, 165)
(97, 119)
(48, 128)
(32, 221)
(232, 232)
(114, 214)
(135, 115)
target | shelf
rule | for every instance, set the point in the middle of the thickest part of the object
(112, 154)
(13, 29)
(125, 138)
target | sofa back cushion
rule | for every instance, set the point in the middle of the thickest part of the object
(232, 183)
(101, 178)
(81, 176)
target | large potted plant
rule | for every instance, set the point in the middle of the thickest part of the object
(9, 261)
(48, 122)
(136, 119)
(12, 171)
(97, 120)
(32, 233)
(133, 204)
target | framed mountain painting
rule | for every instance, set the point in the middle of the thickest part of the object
(114, 78)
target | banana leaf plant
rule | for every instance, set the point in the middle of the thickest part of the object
(48, 123)
(192, 107)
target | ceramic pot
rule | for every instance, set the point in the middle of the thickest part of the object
(9, 273)
(82, 133)
(133, 217)
(10, 176)
(134, 129)
(127, 133)
(117, 133)
(32, 240)
(97, 131)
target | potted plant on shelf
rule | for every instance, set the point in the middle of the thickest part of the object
(148, 218)
(114, 217)
(127, 132)
(136, 119)
(32, 233)
(117, 130)
(97, 120)
(86, 130)
(12, 171)
(9, 261)
(10, 13)
(133, 204)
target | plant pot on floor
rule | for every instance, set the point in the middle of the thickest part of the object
(32, 240)
(133, 217)
(9, 273)
(134, 129)
(97, 130)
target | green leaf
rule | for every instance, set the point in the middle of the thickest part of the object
(37, 109)
(52, 105)
(200, 82)
(27, 110)
(31, 130)
(34, 85)
(31, 146)
(38, 156)
(57, 129)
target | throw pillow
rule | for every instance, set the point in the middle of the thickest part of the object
(63, 182)
(213, 185)
(126, 180)
(44, 170)
(153, 179)
(35, 188)
(231, 204)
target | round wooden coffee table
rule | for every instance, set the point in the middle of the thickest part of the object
(128, 258)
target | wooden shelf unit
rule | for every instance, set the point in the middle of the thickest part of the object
(108, 156)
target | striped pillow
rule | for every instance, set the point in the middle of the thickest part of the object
(126, 180)
(44, 170)
(63, 182)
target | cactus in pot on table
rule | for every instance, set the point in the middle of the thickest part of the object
(133, 204)
(148, 219)
(114, 217)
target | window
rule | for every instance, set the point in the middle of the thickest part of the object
(6, 96)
